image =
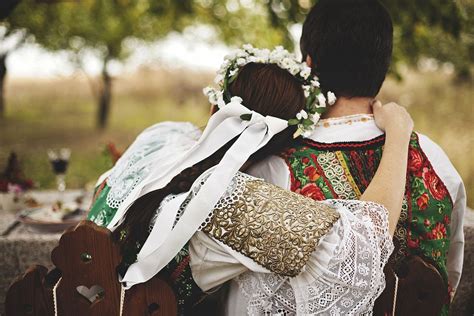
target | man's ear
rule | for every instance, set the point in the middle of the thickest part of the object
(309, 61)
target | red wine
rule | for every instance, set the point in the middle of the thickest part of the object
(59, 165)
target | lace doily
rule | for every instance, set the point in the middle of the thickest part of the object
(160, 142)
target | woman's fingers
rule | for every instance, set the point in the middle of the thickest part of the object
(392, 117)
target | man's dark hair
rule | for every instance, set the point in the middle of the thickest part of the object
(350, 43)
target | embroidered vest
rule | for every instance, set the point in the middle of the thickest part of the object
(344, 170)
(177, 272)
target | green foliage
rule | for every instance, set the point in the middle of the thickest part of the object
(422, 28)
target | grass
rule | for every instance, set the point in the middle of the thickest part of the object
(44, 114)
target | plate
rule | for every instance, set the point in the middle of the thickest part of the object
(33, 220)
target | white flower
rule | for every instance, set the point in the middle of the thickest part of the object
(302, 115)
(230, 56)
(219, 79)
(236, 100)
(279, 48)
(307, 91)
(294, 69)
(207, 91)
(241, 61)
(213, 98)
(247, 46)
(253, 59)
(315, 82)
(305, 72)
(315, 117)
(331, 98)
(321, 100)
(241, 53)
(233, 72)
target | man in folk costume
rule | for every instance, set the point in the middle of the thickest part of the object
(348, 45)
(179, 206)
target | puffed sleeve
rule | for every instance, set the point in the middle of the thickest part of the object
(348, 263)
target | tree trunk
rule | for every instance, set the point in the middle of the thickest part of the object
(3, 74)
(104, 98)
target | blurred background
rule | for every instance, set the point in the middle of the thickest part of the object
(89, 75)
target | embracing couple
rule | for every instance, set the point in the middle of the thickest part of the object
(303, 195)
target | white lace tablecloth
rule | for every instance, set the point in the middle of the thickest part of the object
(22, 248)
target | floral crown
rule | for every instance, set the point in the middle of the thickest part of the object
(316, 102)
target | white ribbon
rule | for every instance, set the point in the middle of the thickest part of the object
(164, 242)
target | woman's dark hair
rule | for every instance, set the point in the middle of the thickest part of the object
(350, 44)
(264, 88)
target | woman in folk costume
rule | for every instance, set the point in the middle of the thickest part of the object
(180, 204)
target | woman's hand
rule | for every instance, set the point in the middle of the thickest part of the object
(393, 119)
(388, 185)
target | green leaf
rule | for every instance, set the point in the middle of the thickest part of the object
(307, 122)
(293, 121)
(246, 117)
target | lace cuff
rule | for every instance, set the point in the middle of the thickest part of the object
(344, 275)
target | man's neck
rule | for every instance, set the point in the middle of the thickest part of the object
(349, 106)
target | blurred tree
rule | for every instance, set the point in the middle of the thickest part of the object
(101, 27)
(422, 28)
(105, 27)
(29, 21)
(12, 35)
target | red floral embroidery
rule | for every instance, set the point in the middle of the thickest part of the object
(422, 201)
(415, 160)
(427, 222)
(438, 232)
(305, 160)
(413, 243)
(432, 182)
(311, 173)
(446, 220)
(311, 190)
(295, 185)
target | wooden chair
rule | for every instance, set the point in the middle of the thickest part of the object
(88, 284)
(420, 290)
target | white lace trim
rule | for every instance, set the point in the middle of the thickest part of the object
(233, 193)
(348, 285)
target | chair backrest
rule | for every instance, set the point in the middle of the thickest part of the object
(421, 290)
(87, 258)
(29, 295)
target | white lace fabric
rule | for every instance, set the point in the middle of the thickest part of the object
(343, 277)
(160, 142)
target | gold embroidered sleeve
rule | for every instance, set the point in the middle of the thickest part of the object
(276, 228)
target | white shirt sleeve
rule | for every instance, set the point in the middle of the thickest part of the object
(453, 182)
(273, 170)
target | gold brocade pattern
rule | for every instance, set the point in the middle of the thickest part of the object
(276, 228)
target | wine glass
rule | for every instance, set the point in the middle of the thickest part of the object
(59, 161)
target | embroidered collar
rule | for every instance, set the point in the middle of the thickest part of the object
(345, 120)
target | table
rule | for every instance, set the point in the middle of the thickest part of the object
(22, 247)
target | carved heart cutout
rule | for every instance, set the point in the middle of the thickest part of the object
(92, 294)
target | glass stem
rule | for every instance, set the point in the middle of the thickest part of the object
(60, 179)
